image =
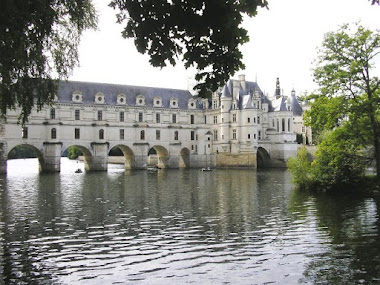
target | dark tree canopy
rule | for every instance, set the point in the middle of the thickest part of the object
(205, 34)
(38, 42)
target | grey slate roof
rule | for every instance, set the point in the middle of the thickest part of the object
(296, 107)
(111, 91)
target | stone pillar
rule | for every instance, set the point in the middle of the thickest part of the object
(51, 161)
(141, 155)
(99, 161)
(3, 157)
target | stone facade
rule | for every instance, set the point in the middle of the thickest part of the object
(238, 127)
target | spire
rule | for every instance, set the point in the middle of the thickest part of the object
(226, 92)
(278, 90)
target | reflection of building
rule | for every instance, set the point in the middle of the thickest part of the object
(237, 126)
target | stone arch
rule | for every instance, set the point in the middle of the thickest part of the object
(263, 158)
(184, 158)
(129, 156)
(87, 156)
(162, 155)
(37, 152)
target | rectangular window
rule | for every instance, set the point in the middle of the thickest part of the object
(234, 118)
(77, 134)
(234, 134)
(24, 132)
(158, 118)
(100, 115)
(215, 135)
(249, 120)
(192, 119)
(259, 135)
(176, 135)
(121, 134)
(140, 117)
(174, 118)
(52, 113)
(77, 114)
(158, 135)
(249, 136)
(215, 119)
(192, 135)
(121, 116)
(258, 120)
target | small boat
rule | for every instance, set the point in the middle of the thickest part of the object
(206, 169)
(153, 169)
(78, 170)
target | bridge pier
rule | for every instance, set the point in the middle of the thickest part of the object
(99, 159)
(3, 157)
(51, 161)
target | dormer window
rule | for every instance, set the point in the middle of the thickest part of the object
(121, 99)
(140, 100)
(99, 98)
(157, 102)
(77, 97)
(174, 103)
(191, 104)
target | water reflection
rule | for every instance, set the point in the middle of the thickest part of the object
(181, 226)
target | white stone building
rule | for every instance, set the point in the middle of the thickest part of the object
(238, 127)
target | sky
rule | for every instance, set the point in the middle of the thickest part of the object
(283, 43)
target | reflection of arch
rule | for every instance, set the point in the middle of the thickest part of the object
(87, 156)
(184, 158)
(263, 158)
(33, 149)
(162, 156)
(129, 156)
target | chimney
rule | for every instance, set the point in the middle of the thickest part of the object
(242, 81)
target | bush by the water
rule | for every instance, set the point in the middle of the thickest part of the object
(339, 163)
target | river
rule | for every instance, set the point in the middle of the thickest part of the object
(180, 227)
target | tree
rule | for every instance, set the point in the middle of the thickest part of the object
(206, 33)
(300, 168)
(38, 46)
(349, 94)
(73, 152)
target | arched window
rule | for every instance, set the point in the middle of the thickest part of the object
(176, 135)
(283, 125)
(53, 133)
(142, 135)
(101, 134)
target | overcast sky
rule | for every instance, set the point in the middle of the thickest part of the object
(283, 43)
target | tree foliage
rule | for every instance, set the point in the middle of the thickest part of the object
(300, 167)
(339, 163)
(38, 45)
(349, 96)
(73, 152)
(205, 33)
